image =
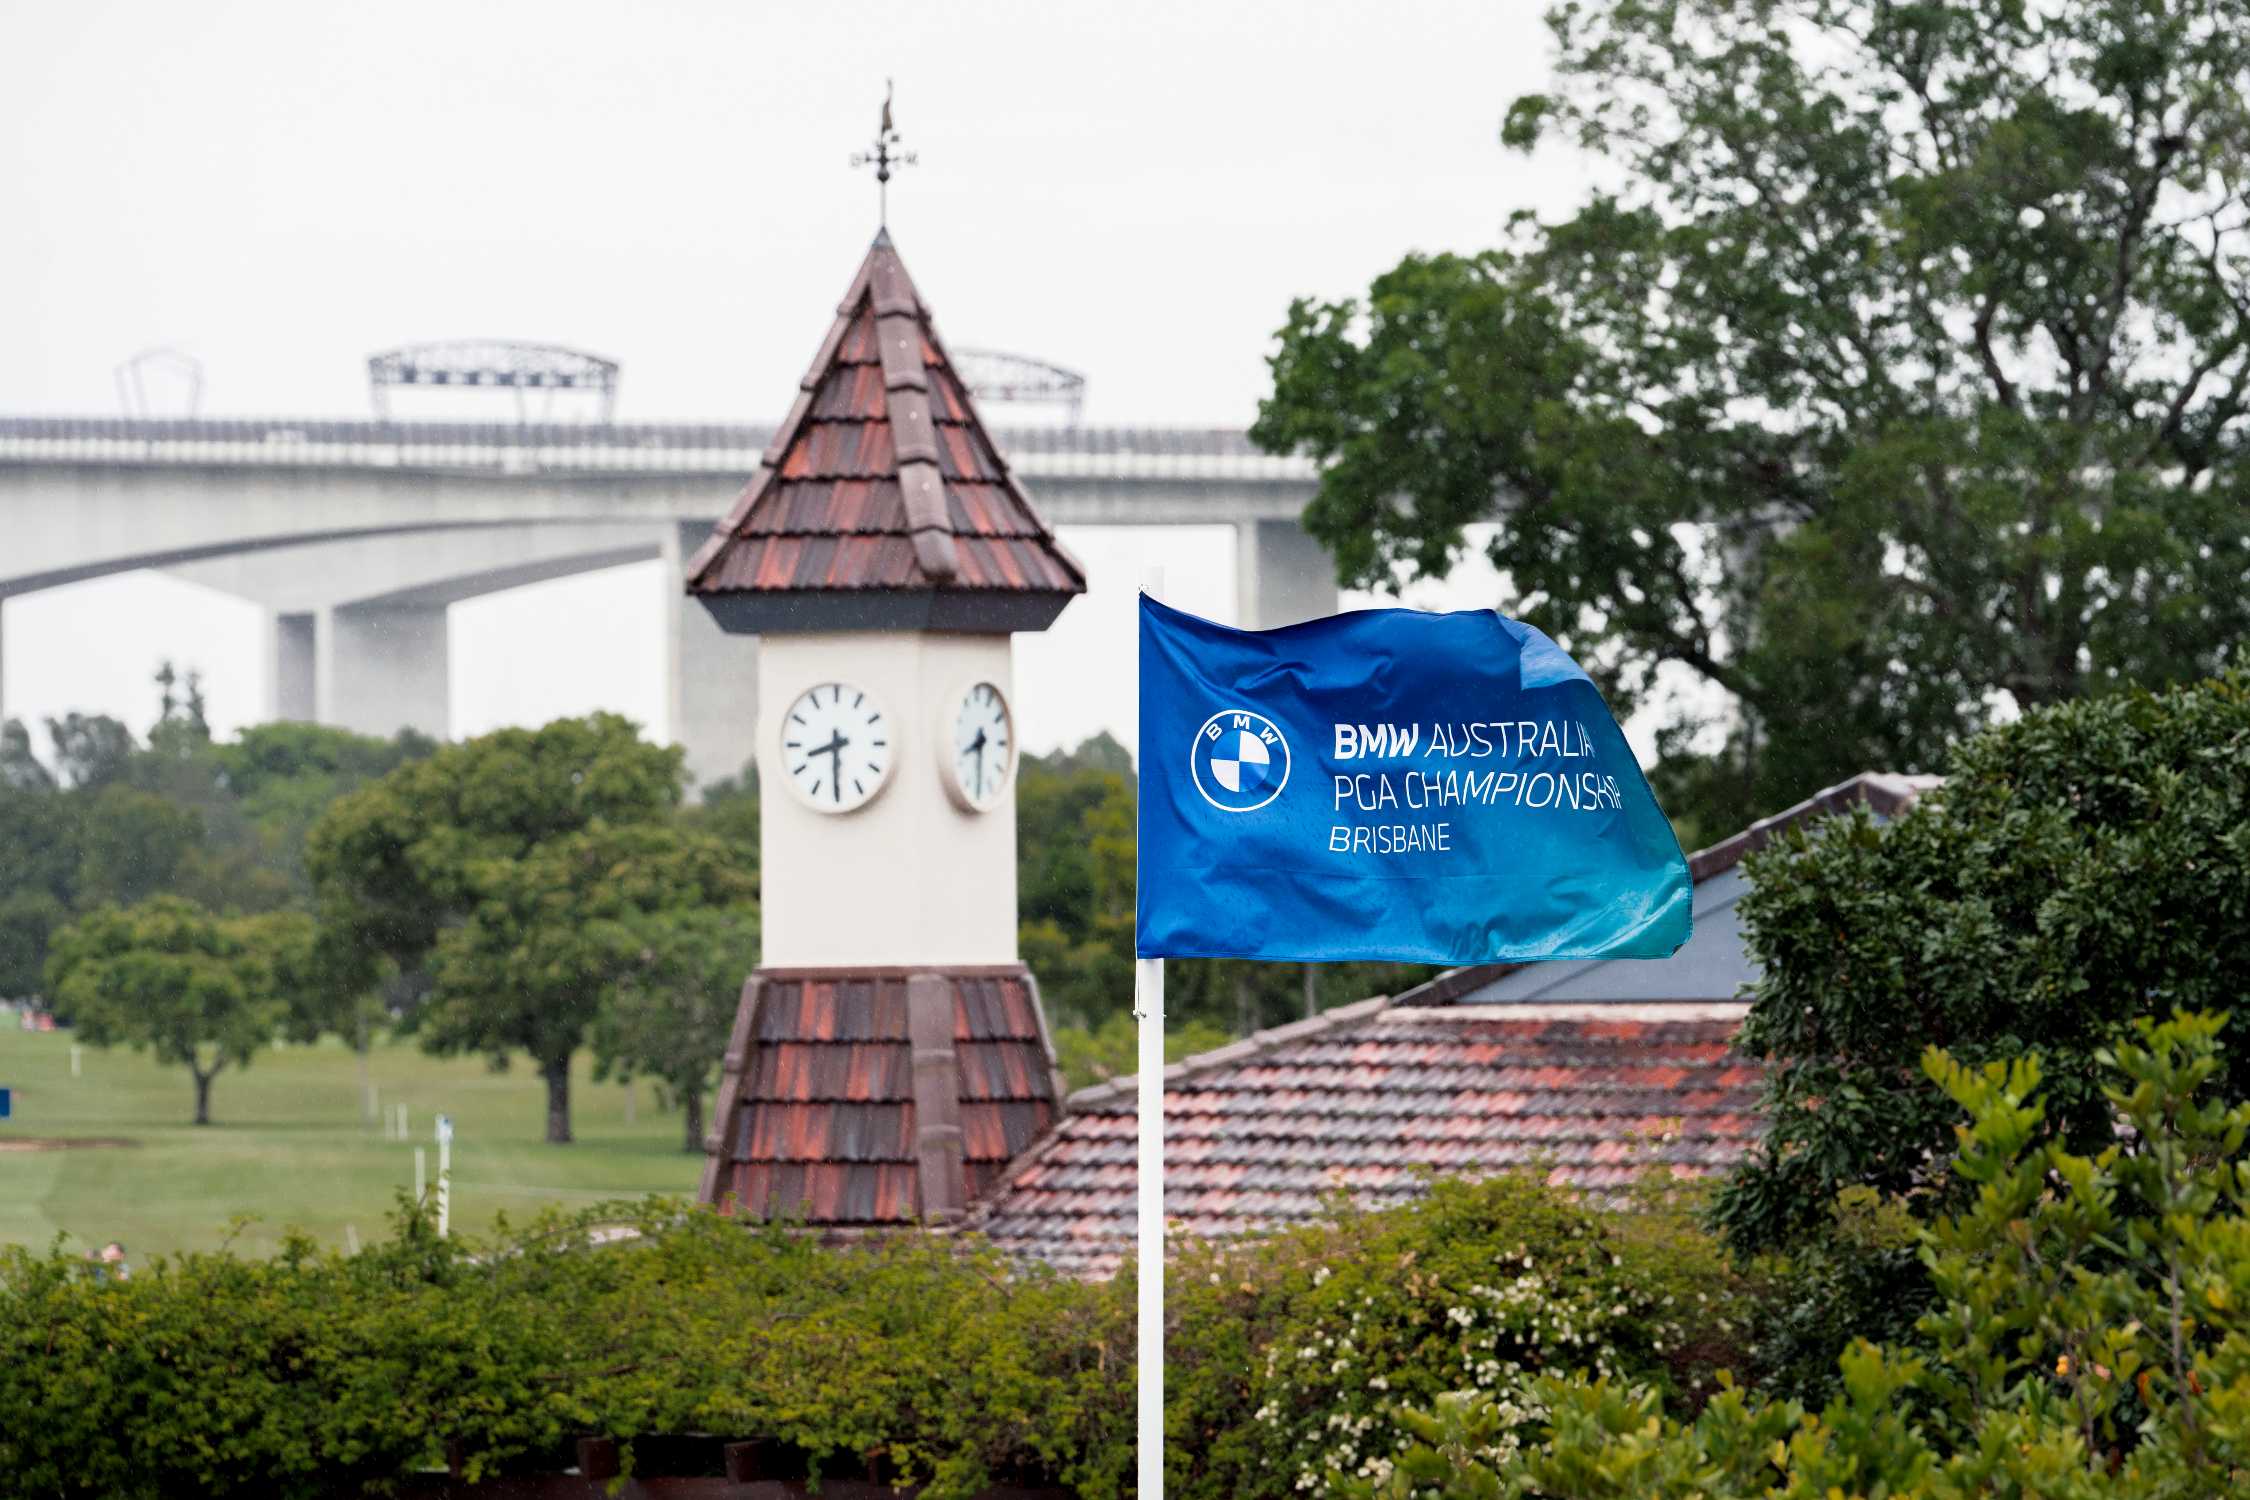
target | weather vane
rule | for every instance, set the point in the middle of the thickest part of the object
(883, 158)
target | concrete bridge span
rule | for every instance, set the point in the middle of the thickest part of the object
(355, 537)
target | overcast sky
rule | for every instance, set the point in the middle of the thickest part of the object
(1132, 190)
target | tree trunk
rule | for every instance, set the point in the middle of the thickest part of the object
(557, 1074)
(366, 1084)
(203, 1094)
(691, 1099)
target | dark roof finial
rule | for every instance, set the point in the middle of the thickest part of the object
(882, 156)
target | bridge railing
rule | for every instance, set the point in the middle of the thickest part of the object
(1218, 453)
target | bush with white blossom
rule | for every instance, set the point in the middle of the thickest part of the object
(1290, 1355)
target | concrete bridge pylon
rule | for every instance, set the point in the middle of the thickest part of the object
(359, 634)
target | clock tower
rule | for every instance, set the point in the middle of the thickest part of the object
(889, 1057)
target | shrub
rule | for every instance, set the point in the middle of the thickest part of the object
(1860, 1278)
(924, 1359)
(1289, 1354)
(2082, 867)
(2090, 1338)
(211, 1375)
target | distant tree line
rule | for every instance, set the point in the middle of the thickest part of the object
(534, 891)
(530, 890)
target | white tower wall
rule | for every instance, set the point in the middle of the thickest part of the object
(909, 878)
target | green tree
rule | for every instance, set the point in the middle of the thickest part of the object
(392, 863)
(2081, 868)
(551, 936)
(221, 824)
(671, 1005)
(259, 794)
(91, 750)
(131, 843)
(20, 770)
(1904, 371)
(39, 864)
(402, 862)
(289, 753)
(168, 977)
(1074, 878)
(727, 810)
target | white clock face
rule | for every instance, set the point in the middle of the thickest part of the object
(979, 747)
(836, 747)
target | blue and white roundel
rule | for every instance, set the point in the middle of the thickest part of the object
(1240, 761)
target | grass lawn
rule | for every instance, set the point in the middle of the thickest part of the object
(287, 1145)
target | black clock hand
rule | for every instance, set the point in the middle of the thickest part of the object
(834, 750)
(977, 745)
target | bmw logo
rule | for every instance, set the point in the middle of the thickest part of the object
(1240, 761)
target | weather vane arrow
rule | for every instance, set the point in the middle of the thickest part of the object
(884, 155)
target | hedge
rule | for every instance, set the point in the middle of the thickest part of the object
(928, 1359)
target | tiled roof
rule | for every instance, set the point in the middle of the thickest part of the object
(1372, 1097)
(871, 1097)
(882, 477)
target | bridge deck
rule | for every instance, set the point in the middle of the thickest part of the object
(1122, 453)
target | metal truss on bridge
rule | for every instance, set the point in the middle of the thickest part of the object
(995, 377)
(494, 364)
(574, 448)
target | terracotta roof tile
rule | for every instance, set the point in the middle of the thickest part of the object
(826, 511)
(818, 1115)
(1370, 1099)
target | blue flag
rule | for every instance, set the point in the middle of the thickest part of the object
(1391, 784)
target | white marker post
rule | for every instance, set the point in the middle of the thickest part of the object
(74, 1059)
(1149, 1212)
(444, 1172)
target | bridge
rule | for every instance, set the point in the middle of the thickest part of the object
(355, 536)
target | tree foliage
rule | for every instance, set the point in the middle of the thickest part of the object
(222, 824)
(1903, 371)
(2090, 1340)
(525, 873)
(672, 1003)
(1074, 878)
(397, 861)
(552, 938)
(131, 844)
(39, 861)
(195, 990)
(2083, 867)
(1289, 1356)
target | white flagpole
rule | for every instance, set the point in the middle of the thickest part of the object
(1149, 1008)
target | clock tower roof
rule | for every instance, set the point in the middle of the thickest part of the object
(882, 502)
